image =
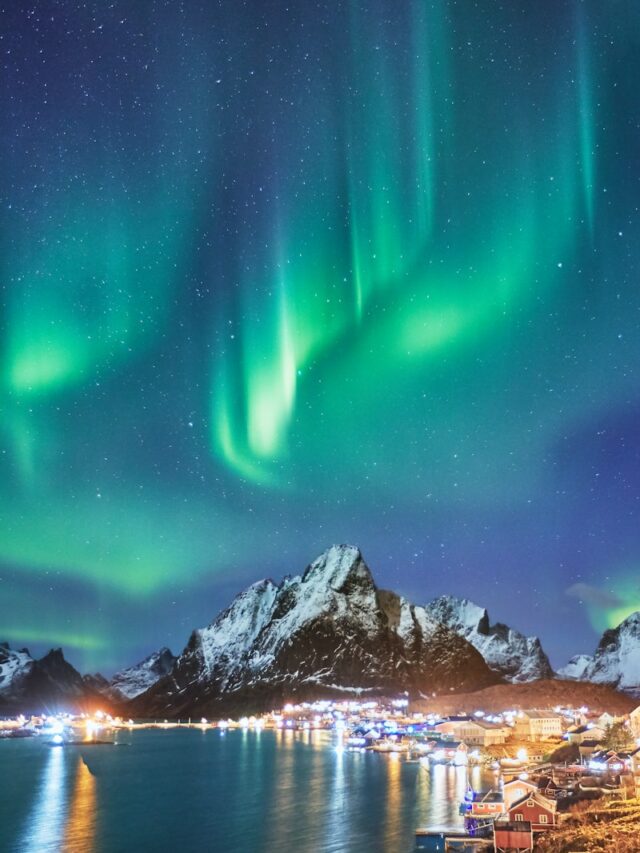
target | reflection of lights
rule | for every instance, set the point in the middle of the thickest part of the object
(47, 818)
(80, 829)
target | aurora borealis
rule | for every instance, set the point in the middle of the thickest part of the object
(277, 275)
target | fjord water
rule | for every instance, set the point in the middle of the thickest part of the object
(188, 790)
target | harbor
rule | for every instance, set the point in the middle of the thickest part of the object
(466, 796)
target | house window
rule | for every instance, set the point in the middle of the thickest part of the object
(519, 817)
(543, 818)
(530, 804)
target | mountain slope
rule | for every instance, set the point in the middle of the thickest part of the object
(329, 631)
(616, 661)
(134, 680)
(547, 693)
(47, 685)
(576, 668)
(15, 666)
(506, 651)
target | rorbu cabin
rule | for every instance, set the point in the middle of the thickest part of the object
(483, 804)
(512, 837)
(535, 809)
(515, 790)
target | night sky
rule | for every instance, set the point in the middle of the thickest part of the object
(282, 273)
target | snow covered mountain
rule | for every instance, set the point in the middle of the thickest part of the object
(136, 679)
(44, 685)
(15, 667)
(506, 651)
(329, 631)
(616, 661)
(576, 668)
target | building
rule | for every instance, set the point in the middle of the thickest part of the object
(578, 734)
(483, 804)
(450, 724)
(634, 722)
(535, 809)
(605, 719)
(538, 725)
(473, 732)
(587, 748)
(515, 790)
(610, 761)
(635, 769)
(509, 837)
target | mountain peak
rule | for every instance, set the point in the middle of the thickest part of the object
(326, 632)
(507, 651)
(338, 565)
(134, 680)
(616, 661)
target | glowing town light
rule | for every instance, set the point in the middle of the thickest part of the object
(522, 754)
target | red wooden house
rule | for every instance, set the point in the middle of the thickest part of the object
(511, 836)
(536, 809)
(483, 804)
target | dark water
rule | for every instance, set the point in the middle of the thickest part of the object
(187, 790)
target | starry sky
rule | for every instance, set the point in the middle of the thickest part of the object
(280, 274)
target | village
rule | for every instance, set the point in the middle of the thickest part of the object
(558, 775)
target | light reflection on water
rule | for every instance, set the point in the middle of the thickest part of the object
(241, 791)
(63, 815)
(81, 821)
(45, 824)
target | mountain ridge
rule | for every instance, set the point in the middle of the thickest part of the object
(328, 630)
(616, 660)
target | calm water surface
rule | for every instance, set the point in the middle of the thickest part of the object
(187, 790)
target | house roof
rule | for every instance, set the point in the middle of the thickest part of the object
(487, 797)
(538, 798)
(541, 715)
(520, 782)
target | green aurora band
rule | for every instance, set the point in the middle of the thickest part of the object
(244, 255)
